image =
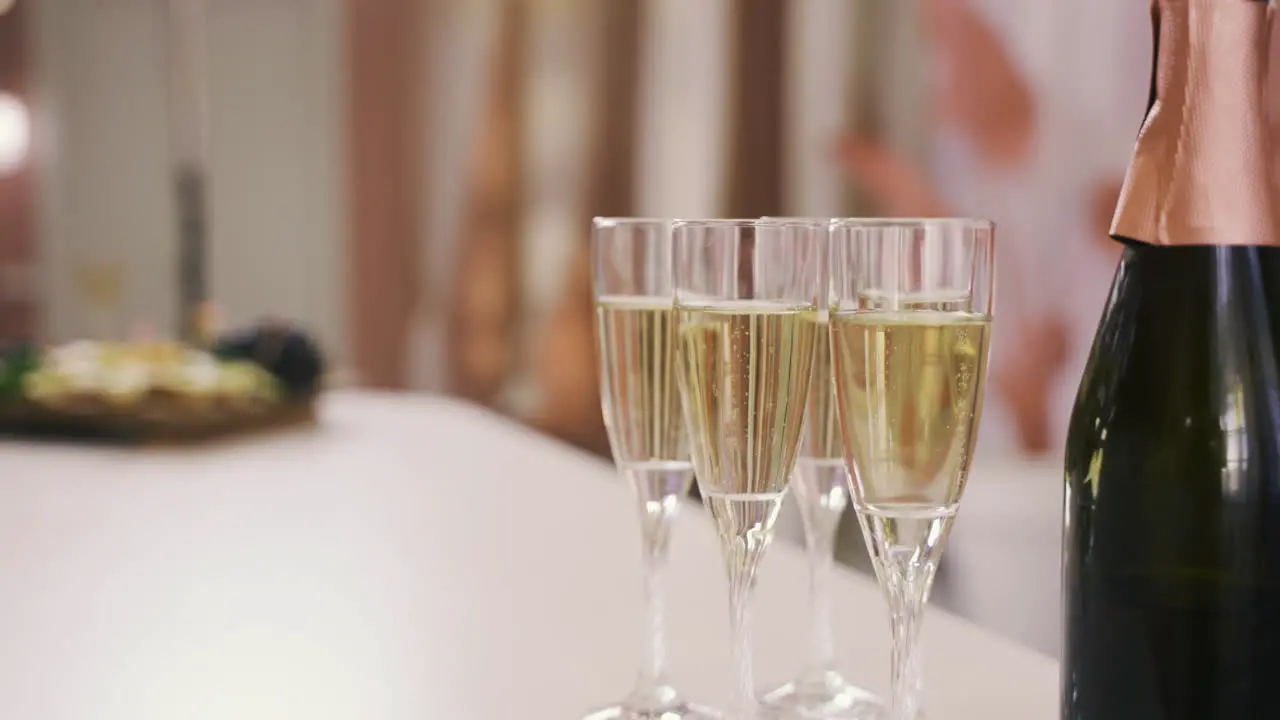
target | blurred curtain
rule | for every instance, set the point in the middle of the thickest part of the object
(386, 57)
(18, 309)
(564, 359)
(462, 52)
(481, 335)
(888, 86)
(631, 107)
(759, 108)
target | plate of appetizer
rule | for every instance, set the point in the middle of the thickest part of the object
(266, 376)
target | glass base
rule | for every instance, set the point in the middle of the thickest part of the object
(825, 696)
(661, 704)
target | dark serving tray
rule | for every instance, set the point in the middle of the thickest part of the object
(154, 421)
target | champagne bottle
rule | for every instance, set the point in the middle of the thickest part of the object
(1171, 564)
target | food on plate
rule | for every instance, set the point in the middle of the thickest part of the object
(160, 388)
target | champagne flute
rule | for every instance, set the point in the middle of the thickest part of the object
(636, 337)
(746, 299)
(820, 486)
(910, 326)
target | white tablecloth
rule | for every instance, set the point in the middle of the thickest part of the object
(1002, 566)
(412, 558)
(1004, 557)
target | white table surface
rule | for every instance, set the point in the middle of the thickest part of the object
(412, 558)
(1004, 556)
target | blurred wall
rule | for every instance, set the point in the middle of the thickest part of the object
(420, 196)
(108, 239)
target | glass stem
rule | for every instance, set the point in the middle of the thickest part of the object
(656, 524)
(745, 531)
(741, 580)
(821, 521)
(658, 492)
(908, 591)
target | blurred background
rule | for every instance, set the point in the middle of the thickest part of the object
(412, 180)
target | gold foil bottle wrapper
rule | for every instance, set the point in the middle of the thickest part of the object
(1202, 169)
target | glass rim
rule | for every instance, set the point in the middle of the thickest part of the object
(605, 222)
(763, 221)
(966, 223)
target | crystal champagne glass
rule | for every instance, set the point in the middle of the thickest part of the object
(910, 327)
(747, 304)
(820, 487)
(636, 339)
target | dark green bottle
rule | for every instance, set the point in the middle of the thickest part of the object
(1171, 563)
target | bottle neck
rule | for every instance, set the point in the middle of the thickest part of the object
(1201, 172)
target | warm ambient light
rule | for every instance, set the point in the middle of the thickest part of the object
(15, 131)
(6, 5)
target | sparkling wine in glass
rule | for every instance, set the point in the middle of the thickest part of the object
(746, 298)
(910, 327)
(636, 338)
(820, 487)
